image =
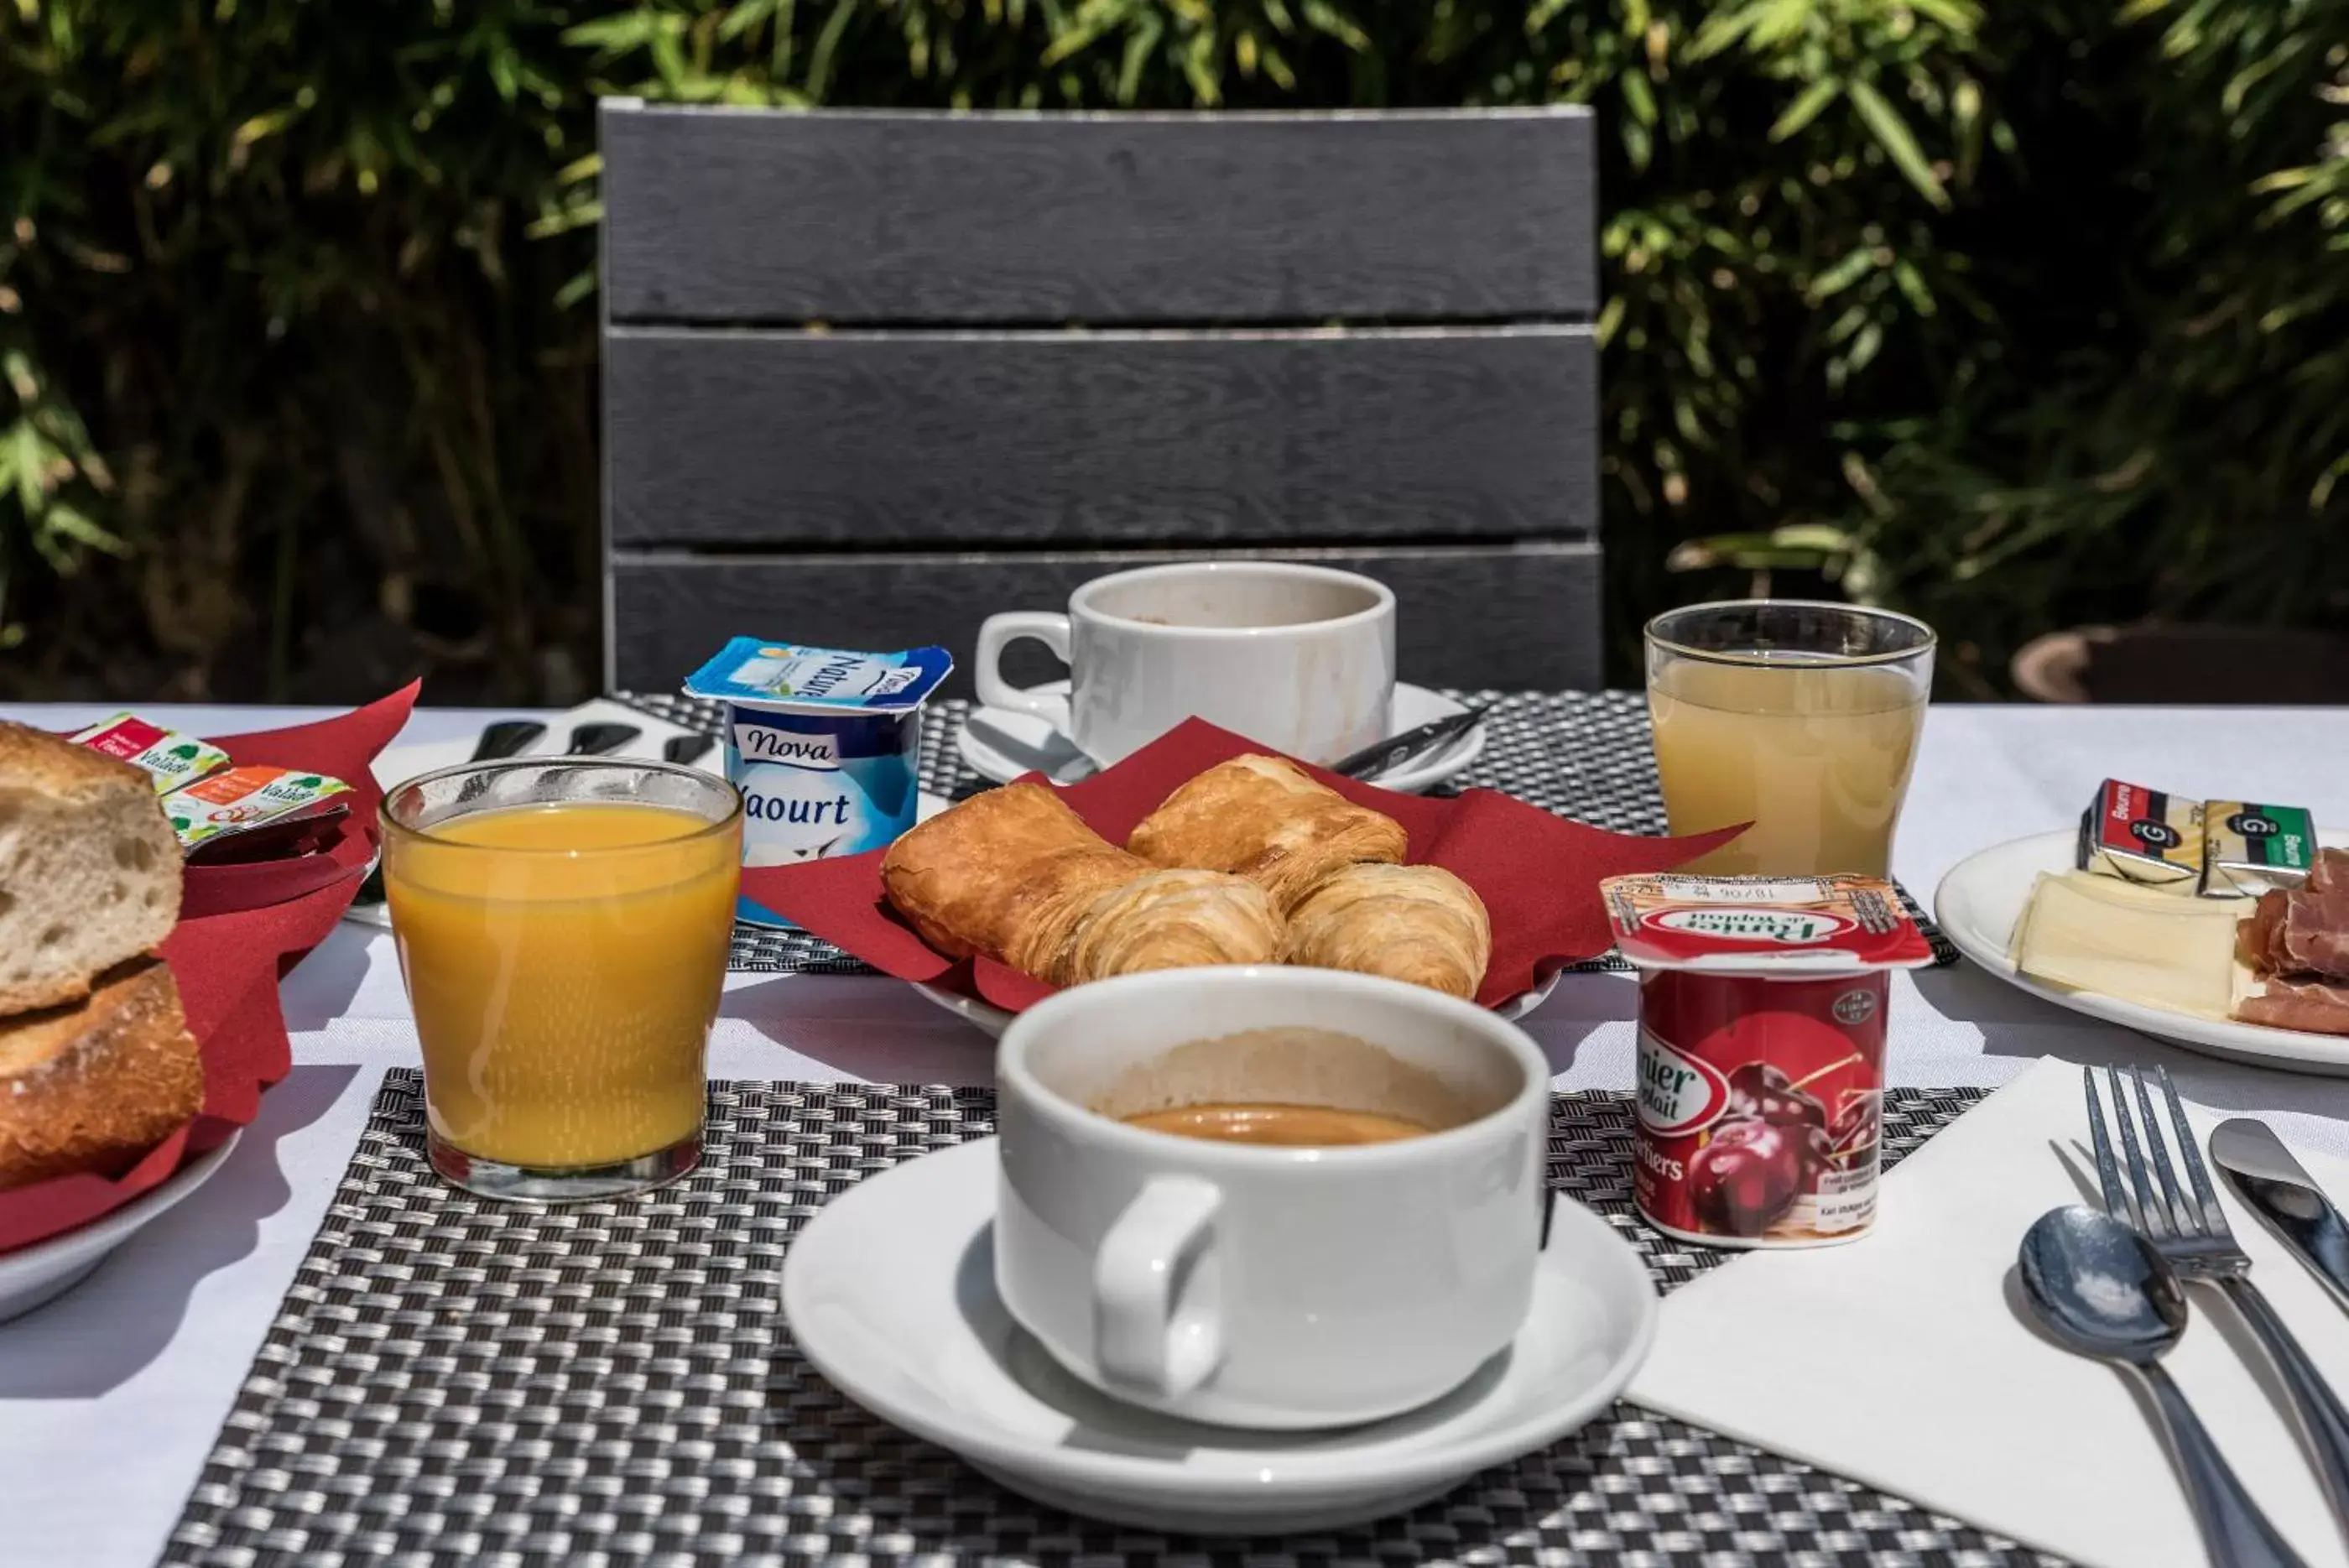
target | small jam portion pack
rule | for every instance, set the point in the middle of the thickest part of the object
(2249, 849)
(2144, 836)
(243, 799)
(172, 760)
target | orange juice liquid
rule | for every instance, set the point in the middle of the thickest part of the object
(565, 963)
(1815, 757)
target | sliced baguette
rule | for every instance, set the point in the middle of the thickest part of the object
(90, 870)
(93, 1087)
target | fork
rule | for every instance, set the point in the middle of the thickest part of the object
(2193, 1237)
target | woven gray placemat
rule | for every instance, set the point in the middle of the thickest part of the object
(1583, 755)
(454, 1382)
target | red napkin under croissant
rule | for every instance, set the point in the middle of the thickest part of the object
(1537, 874)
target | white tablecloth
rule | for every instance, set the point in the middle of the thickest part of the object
(111, 1398)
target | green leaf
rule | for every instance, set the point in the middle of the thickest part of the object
(1806, 108)
(1140, 46)
(1893, 135)
(1854, 265)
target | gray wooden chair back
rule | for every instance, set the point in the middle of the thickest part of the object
(871, 377)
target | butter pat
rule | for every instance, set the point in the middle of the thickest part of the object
(2249, 849)
(2141, 835)
(2093, 933)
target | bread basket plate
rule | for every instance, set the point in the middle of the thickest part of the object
(1978, 901)
(995, 1020)
(35, 1275)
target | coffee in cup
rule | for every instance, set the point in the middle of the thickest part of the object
(1265, 1197)
(1285, 1127)
(1298, 658)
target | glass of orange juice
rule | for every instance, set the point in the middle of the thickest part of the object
(1799, 718)
(563, 925)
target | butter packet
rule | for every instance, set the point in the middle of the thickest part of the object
(171, 759)
(2249, 849)
(243, 799)
(2143, 835)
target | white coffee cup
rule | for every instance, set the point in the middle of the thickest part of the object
(1299, 658)
(1262, 1286)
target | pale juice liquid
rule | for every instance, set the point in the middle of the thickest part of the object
(565, 1000)
(1817, 758)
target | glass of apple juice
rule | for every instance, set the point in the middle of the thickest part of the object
(1802, 719)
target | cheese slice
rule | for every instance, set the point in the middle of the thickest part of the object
(2139, 944)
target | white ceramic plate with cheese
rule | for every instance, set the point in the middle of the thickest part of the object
(1978, 901)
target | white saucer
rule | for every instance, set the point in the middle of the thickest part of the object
(1978, 901)
(995, 1020)
(33, 1276)
(1001, 745)
(890, 1293)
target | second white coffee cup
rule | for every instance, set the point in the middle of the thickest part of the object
(1267, 1286)
(1298, 658)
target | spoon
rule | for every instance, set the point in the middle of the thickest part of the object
(2101, 1292)
(599, 740)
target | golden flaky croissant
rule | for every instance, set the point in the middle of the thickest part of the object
(1014, 875)
(1415, 923)
(1174, 920)
(1266, 819)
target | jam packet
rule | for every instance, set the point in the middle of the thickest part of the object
(2142, 835)
(243, 800)
(824, 745)
(172, 758)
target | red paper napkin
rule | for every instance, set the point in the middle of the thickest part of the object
(344, 748)
(227, 959)
(1537, 874)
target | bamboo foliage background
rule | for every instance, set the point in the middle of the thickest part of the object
(2012, 316)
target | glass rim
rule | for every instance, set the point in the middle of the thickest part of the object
(515, 765)
(1822, 660)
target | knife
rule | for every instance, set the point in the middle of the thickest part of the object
(1396, 750)
(2265, 1174)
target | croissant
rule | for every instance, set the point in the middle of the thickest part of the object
(1007, 874)
(1415, 923)
(1014, 875)
(1265, 818)
(1172, 919)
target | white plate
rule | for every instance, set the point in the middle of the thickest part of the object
(890, 1292)
(1001, 745)
(35, 1275)
(995, 1020)
(1978, 901)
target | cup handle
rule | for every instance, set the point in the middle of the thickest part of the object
(1000, 632)
(1144, 1335)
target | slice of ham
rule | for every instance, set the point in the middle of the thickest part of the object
(2313, 938)
(2331, 872)
(2255, 947)
(2312, 1005)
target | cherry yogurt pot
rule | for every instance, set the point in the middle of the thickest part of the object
(1761, 1075)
